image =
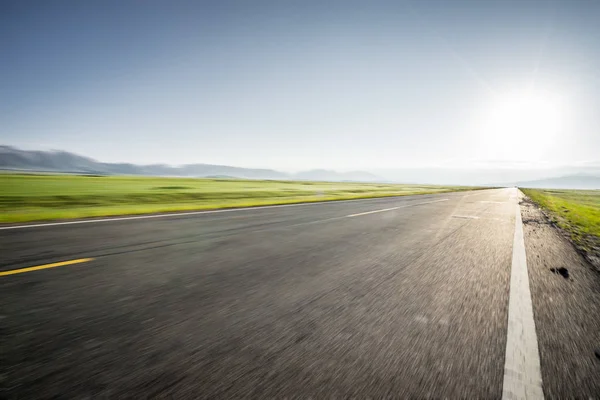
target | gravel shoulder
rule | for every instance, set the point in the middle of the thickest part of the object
(565, 290)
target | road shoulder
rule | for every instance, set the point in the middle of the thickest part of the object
(565, 292)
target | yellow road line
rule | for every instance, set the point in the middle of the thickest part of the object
(45, 266)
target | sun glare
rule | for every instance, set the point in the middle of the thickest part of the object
(527, 120)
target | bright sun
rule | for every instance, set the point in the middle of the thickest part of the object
(522, 123)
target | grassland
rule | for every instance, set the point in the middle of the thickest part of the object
(576, 211)
(26, 197)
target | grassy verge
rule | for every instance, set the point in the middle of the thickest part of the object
(576, 211)
(25, 197)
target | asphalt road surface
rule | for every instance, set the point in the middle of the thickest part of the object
(395, 297)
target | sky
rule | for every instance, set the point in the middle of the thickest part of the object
(294, 85)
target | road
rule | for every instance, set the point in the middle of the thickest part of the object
(394, 297)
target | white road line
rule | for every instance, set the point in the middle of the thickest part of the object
(183, 214)
(371, 212)
(466, 216)
(522, 376)
(394, 208)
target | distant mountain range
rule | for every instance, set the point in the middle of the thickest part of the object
(61, 161)
(65, 162)
(562, 182)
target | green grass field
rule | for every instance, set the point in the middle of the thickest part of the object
(577, 211)
(27, 197)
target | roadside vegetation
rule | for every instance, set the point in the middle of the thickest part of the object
(576, 211)
(28, 197)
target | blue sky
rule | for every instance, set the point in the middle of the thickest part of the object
(297, 85)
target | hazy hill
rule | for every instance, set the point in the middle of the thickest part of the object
(250, 173)
(11, 158)
(563, 182)
(328, 175)
(61, 161)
